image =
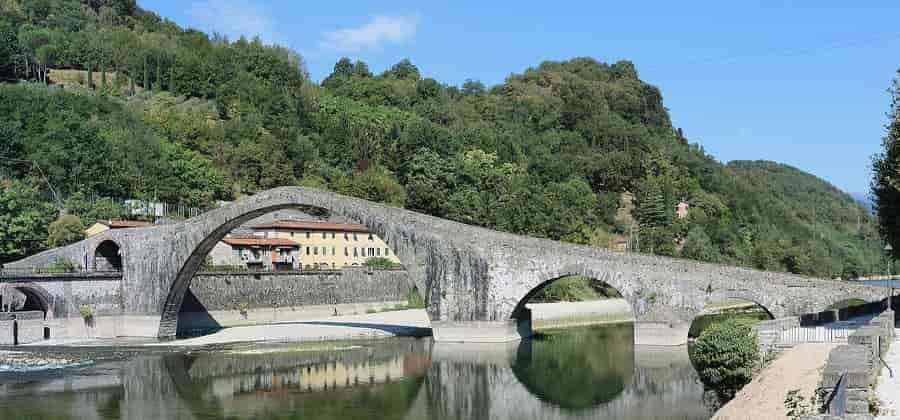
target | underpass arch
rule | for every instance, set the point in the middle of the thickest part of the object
(179, 287)
(107, 256)
(36, 299)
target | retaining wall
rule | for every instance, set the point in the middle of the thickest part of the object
(28, 325)
(231, 290)
(857, 365)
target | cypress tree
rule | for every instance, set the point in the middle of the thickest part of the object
(158, 73)
(146, 74)
(90, 75)
(172, 78)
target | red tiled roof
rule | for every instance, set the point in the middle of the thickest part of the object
(258, 241)
(119, 224)
(311, 225)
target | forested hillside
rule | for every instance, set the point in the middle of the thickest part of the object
(556, 151)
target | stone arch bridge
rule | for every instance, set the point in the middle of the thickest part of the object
(475, 280)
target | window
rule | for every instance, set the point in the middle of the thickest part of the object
(346, 238)
(371, 252)
(307, 250)
(346, 252)
(387, 251)
(332, 251)
(323, 235)
(307, 235)
(355, 254)
(315, 250)
(324, 251)
(371, 238)
(332, 235)
(378, 252)
(355, 238)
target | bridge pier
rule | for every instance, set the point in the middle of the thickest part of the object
(483, 331)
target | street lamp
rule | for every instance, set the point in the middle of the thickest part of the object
(887, 257)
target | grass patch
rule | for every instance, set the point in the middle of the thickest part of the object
(414, 300)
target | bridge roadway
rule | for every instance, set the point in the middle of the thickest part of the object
(475, 280)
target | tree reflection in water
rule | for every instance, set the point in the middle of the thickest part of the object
(577, 368)
(563, 375)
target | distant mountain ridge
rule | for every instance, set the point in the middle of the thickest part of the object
(865, 199)
(803, 202)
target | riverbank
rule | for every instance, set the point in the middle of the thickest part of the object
(321, 325)
(411, 322)
(763, 398)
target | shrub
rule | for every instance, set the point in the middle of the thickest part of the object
(64, 265)
(86, 312)
(724, 356)
(381, 263)
(567, 289)
(65, 230)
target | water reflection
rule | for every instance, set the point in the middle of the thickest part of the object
(578, 368)
(579, 374)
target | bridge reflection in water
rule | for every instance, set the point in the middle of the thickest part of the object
(578, 374)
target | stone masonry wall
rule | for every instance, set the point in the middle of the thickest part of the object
(30, 325)
(225, 291)
(858, 362)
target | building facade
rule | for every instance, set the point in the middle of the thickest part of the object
(328, 245)
(256, 252)
(104, 225)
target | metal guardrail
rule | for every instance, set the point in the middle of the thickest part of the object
(818, 334)
(837, 401)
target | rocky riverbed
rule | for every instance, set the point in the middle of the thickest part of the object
(30, 361)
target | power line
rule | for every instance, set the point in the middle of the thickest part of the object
(35, 165)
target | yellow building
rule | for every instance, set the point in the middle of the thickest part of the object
(329, 245)
(104, 225)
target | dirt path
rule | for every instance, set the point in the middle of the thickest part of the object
(763, 398)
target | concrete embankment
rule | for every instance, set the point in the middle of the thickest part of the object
(576, 314)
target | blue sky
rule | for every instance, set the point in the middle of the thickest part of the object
(799, 82)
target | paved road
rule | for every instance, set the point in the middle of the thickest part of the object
(888, 389)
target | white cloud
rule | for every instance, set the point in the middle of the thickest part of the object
(233, 18)
(378, 31)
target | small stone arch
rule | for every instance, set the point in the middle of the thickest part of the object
(36, 299)
(107, 256)
(520, 311)
(769, 307)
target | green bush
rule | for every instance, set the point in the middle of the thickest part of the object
(64, 265)
(65, 230)
(567, 289)
(724, 356)
(381, 263)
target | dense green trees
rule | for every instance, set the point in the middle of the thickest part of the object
(172, 114)
(65, 230)
(886, 182)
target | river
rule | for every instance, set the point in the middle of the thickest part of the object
(583, 373)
